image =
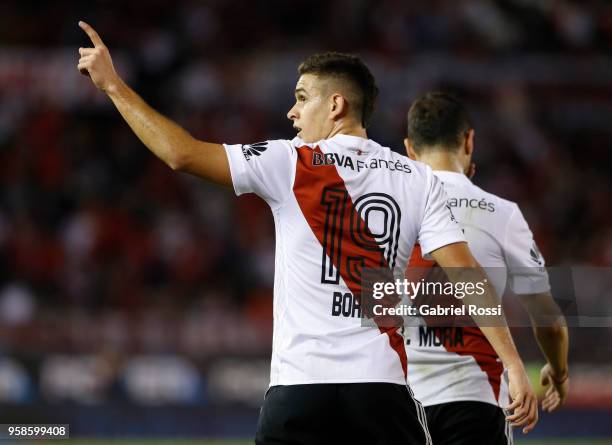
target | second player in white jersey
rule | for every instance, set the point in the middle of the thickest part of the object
(339, 205)
(454, 371)
(501, 241)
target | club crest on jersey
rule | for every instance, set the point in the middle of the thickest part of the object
(255, 149)
(319, 159)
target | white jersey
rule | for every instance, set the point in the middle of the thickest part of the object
(459, 364)
(339, 205)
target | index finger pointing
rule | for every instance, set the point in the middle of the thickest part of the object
(93, 35)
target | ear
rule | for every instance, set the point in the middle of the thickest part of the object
(338, 106)
(410, 149)
(468, 143)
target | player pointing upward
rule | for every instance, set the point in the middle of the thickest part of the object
(340, 202)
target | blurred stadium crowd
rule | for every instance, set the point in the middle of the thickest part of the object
(107, 254)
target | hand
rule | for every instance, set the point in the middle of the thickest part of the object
(556, 388)
(524, 404)
(96, 62)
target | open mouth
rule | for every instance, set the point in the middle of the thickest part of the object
(298, 129)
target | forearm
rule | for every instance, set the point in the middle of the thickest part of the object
(494, 327)
(160, 135)
(549, 328)
(167, 140)
(462, 268)
(554, 344)
(501, 341)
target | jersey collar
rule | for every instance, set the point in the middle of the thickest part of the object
(452, 177)
(343, 139)
(355, 143)
(349, 139)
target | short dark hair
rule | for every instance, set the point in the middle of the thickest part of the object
(437, 120)
(349, 68)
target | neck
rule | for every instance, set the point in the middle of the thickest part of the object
(442, 160)
(349, 128)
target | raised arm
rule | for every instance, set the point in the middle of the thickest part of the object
(459, 264)
(167, 140)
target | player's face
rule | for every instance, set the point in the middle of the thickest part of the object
(311, 113)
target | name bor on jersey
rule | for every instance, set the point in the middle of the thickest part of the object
(344, 304)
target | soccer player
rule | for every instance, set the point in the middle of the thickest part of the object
(340, 202)
(455, 372)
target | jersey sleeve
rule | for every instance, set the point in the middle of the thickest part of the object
(526, 271)
(263, 168)
(438, 227)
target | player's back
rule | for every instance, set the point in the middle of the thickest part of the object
(340, 205)
(458, 364)
(494, 227)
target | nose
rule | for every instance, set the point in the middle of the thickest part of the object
(292, 114)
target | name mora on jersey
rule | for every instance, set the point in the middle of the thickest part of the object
(448, 337)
